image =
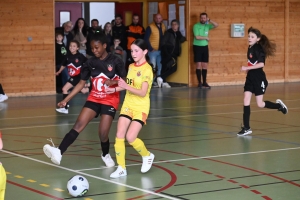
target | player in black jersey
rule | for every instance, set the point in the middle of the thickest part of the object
(73, 61)
(104, 69)
(259, 48)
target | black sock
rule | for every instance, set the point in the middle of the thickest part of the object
(67, 105)
(68, 140)
(204, 74)
(246, 117)
(198, 73)
(271, 105)
(1, 90)
(105, 147)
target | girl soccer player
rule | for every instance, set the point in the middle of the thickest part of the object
(2, 174)
(259, 48)
(135, 109)
(104, 69)
(74, 61)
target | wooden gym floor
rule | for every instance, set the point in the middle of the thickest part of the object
(192, 133)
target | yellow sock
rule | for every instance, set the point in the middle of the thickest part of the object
(139, 146)
(120, 152)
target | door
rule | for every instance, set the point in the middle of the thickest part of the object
(126, 10)
(67, 12)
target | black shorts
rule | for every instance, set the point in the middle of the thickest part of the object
(201, 53)
(74, 80)
(100, 109)
(137, 120)
(256, 83)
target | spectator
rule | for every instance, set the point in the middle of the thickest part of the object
(153, 36)
(108, 32)
(80, 34)
(170, 50)
(91, 33)
(66, 30)
(116, 48)
(134, 31)
(200, 47)
(112, 23)
(3, 96)
(60, 55)
(74, 62)
(119, 30)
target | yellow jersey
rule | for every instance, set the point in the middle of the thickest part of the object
(137, 74)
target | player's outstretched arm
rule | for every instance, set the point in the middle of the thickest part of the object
(75, 90)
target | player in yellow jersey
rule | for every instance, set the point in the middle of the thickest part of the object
(2, 174)
(135, 109)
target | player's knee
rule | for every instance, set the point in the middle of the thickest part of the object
(64, 90)
(130, 138)
(78, 126)
(261, 104)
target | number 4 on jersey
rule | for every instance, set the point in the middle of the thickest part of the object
(263, 86)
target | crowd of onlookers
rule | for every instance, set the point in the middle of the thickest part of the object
(163, 44)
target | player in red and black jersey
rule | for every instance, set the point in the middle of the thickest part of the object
(260, 47)
(104, 69)
(74, 62)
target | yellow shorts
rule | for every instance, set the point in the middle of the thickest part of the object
(2, 182)
(133, 115)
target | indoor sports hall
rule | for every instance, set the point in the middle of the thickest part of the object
(192, 133)
(191, 127)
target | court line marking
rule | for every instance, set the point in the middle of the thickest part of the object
(198, 158)
(149, 118)
(170, 108)
(92, 176)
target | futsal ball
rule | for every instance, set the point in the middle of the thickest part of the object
(78, 186)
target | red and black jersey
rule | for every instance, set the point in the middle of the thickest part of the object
(99, 71)
(255, 55)
(74, 63)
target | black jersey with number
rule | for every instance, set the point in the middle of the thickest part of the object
(256, 81)
(99, 71)
(255, 55)
(74, 62)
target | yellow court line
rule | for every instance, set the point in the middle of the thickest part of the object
(58, 189)
(31, 181)
(44, 185)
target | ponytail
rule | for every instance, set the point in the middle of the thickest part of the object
(268, 45)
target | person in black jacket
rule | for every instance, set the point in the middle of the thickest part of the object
(170, 50)
(91, 32)
(119, 31)
(66, 30)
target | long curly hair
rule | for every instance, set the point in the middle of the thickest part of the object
(268, 45)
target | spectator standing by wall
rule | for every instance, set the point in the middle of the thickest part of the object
(80, 34)
(68, 37)
(200, 47)
(66, 30)
(170, 50)
(119, 31)
(108, 33)
(91, 32)
(153, 36)
(134, 31)
(60, 55)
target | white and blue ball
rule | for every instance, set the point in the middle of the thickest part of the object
(78, 186)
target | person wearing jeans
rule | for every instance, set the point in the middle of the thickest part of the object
(153, 36)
